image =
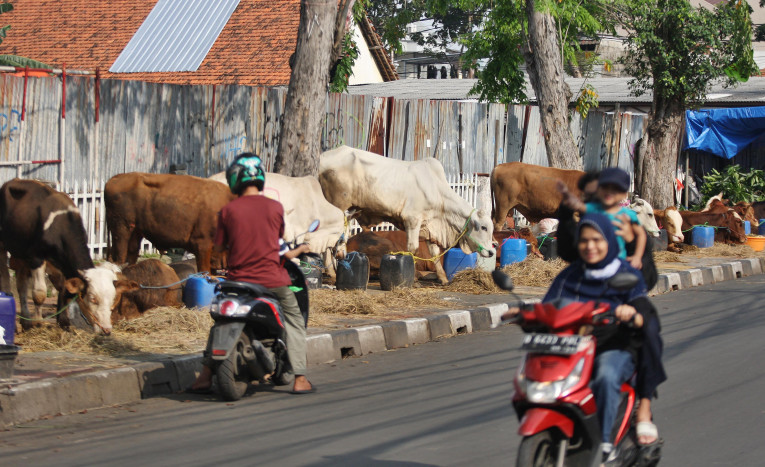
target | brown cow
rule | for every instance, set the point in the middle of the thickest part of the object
(530, 189)
(39, 224)
(377, 244)
(671, 221)
(171, 211)
(146, 285)
(729, 228)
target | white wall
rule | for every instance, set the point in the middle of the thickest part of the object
(365, 69)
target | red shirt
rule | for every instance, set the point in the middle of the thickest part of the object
(251, 226)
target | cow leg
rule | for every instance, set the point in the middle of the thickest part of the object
(134, 246)
(23, 275)
(329, 265)
(5, 273)
(435, 250)
(39, 289)
(119, 238)
(203, 254)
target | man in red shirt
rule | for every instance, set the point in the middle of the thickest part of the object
(250, 228)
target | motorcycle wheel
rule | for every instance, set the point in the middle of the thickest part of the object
(538, 450)
(233, 376)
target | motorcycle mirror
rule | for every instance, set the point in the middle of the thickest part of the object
(314, 226)
(624, 281)
(502, 280)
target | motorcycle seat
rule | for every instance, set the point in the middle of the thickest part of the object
(237, 287)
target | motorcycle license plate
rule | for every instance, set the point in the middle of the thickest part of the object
(551, 343)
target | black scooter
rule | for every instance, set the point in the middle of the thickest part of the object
(247, 339)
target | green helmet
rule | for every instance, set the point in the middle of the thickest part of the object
(246, 170)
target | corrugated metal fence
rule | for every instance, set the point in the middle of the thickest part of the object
(93, 129)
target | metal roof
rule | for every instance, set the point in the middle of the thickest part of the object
(610, 90)
(175, 36)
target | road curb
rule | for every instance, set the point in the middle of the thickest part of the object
(27, 401)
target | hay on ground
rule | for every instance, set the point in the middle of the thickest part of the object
(164, 330)
(535, 272)
(473, 281)
(667, 257)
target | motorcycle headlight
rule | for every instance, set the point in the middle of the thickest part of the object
(549, 391)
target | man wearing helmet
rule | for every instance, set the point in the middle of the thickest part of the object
(253, 256)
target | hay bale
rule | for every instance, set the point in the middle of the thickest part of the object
(473, 281)
(535, 272)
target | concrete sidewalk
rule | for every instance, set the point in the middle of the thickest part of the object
(52, 383)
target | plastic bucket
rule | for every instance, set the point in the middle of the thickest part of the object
(396, 271)
(747, 227)
(661, 242)
(7, 319)
(352, 272)
(513, 251)
(7, 360)
(761, 227)
(199, 291)
(703, 237)
(455, 260)
(548, 246)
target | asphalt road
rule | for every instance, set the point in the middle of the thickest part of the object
(444, 403)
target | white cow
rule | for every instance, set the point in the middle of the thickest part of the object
(303, 202)
(414, 196)
(645, 215)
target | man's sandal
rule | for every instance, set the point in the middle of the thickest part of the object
(647, 429)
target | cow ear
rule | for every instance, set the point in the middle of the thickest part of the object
(125, 286)
(74, 285)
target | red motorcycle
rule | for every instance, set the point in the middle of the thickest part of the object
(553, 400)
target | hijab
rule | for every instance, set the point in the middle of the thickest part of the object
(583, 282)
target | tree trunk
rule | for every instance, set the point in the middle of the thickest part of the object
(300, 136)
(656, 164)
(545, 68)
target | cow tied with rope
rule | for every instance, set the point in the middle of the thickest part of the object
(413, 195)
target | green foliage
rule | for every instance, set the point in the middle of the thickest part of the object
(679, 51)
(588, 99)
(343, 68)
(734, 184)
(759, 33)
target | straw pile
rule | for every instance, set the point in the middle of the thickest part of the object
(720, 249)
(532, 272)
(667, 257)
(164, 330)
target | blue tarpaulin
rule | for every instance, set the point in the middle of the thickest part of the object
(723, 132)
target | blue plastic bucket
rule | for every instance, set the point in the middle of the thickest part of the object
(199, 291)
(703, 237)
(513, 251)
(7, 318)
(761, 227)
(747, 227)
(456, 260)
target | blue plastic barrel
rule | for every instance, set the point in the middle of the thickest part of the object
(761, 227)
(513, 251)
(747, 227)
(7, 318)
(703, 237)
(199, 291)
(456, 260)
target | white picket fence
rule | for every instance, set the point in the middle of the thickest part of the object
(89, 200)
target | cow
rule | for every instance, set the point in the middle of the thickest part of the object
(729, 228)
(645, 214)
(143, 286)
(413, 195)
(377, 244)
(171, 211)
(39, 224)
(303, 202)
(530, 189)
(743, 209)
(672, 222)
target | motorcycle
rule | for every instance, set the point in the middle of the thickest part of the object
(553, 400)
(247, 340)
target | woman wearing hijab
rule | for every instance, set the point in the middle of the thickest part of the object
(618, 343)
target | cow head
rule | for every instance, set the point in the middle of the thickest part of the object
(479, 235)
(645, 215)
(673, 224)
(736, 228)
(96, 295)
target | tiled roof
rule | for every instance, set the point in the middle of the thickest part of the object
(253, 49)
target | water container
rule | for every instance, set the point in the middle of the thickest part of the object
(199, 291)
(513, 251)
(353, 272)
(456, 260)
(703, 237)
(661, 242)
(548, 246)
(761, 227)
(7, 319)
(312, 268)
(396, 271)
(747, 227)
(7, 360)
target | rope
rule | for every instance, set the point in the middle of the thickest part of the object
(706, 224)
(437, 257)
(53, 315)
